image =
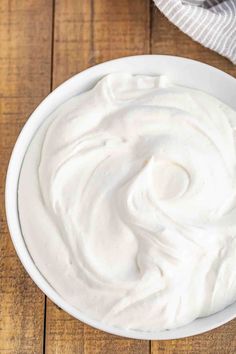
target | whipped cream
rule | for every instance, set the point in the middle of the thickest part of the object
(127, 200)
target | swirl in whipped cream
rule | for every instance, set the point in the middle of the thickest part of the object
(127, 202)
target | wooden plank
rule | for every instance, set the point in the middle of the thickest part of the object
(98, 342)
(25, 61)
(72, 49)
(121, 28)
(86, 33)
(167, 39)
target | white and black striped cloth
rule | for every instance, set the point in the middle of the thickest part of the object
(210, 22)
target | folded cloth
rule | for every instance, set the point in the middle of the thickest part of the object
(210, 22)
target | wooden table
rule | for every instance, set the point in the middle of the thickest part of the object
(42, 43)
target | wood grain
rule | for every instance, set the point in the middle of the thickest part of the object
(25, 60)
(219, 341)
(72, 48)
(86, 33)
(167, 39)
(90, 32)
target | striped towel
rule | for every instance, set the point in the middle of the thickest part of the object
(210, 22)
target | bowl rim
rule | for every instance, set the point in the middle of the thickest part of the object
(70, 86)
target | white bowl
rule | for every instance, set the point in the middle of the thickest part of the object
(181, 71)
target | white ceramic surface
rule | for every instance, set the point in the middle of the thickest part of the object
(179, 70)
